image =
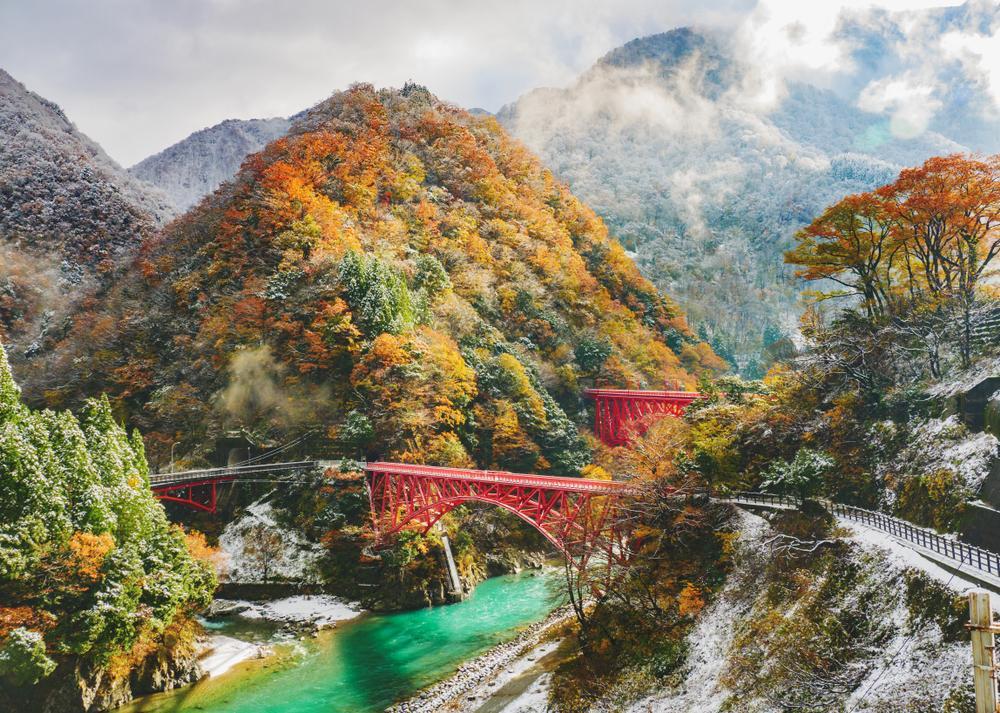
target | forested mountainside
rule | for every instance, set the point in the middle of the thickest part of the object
(705, 187)
(396, 270)
(197, 165)
(68, 213)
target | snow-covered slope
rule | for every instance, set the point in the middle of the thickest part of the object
(900, 657)
(59, 190)
(258, 549)
(68, 215)
(196, 166)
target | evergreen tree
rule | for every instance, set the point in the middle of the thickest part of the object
(84, 545)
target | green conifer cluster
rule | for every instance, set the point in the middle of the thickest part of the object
(89, 564)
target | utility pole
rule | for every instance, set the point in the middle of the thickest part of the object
(983, 662)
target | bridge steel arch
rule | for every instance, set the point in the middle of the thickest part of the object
(580, 517)
(620, 413)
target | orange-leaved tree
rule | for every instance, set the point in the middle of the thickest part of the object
(925, 242)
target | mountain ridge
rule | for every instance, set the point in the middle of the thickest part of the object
(196, 165)
(701, 186)
(69, 215)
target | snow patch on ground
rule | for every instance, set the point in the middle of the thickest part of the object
(966, 380)
(294, 560)
(701, 690)
(938, 444)
(320, 610)
(916, 661)
(902, 557)
(221, 653)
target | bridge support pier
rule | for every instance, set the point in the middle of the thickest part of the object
(456, 583)
(621, 413)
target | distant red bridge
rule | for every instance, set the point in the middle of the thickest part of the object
(620, 414)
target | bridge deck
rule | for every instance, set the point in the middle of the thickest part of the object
(162, 480)
(577, 485)
(649, 395)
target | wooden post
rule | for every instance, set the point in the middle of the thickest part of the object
(983, 665)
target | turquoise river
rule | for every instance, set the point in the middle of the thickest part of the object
(372, 661)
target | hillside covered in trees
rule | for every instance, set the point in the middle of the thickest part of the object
(68, 214)
(396, 271)
(797, 610)
(191, 169)
(97, 588)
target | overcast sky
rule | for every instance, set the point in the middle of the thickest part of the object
(139, 75)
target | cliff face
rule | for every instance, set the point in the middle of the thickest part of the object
(75, 688)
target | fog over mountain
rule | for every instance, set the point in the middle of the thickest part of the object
(704, 165)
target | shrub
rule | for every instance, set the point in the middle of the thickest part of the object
(802, 477)
(22, 658)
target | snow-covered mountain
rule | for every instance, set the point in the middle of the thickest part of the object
(68, 213)
(667, 139)
(197, 165)
(58, 189)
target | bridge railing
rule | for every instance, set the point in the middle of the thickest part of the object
(948, 547)
(962, 552)
(582, 485)
(160, 480)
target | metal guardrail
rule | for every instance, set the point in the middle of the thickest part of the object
(950, 548)
(160, 480)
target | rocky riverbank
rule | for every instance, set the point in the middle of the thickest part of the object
(304, 612)
(477, 673)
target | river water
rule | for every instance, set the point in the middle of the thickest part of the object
(373, 661)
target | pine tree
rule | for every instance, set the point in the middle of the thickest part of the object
(10, 392)
(83, 542)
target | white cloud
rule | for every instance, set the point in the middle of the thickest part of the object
(796, 40)
(909, 100)
(137, 75)
(783, 40)
(979, 54)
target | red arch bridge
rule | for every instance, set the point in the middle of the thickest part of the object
(620, 413)
(579, 516)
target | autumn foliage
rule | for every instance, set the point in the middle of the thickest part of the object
(403, 275)
(925, 242)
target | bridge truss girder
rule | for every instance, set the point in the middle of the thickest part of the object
(580, 518)
(620, 414)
